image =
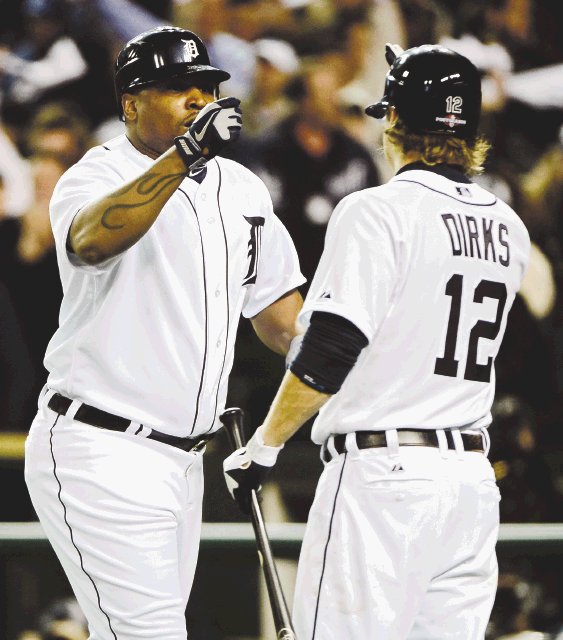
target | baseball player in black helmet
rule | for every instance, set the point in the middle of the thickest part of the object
(162, 245)
(403, 321)
(163, 54)
(422, 85)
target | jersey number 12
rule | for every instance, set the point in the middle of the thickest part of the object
(448, 365)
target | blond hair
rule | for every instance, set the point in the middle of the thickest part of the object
(439, 148)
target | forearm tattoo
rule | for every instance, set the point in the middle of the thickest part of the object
(148, 188)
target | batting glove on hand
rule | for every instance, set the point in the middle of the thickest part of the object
(246, 469)
(217, 124)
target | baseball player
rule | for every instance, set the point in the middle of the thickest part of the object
(404, 318)
(161, 246)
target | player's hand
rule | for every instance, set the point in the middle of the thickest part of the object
(217, 124)
(247, 468)
(242, 476)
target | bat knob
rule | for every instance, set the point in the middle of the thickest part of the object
(232, 419)
(229, 413)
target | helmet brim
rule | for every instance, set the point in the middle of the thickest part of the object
(187, 71)
(378, 110)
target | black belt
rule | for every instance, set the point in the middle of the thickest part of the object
(406, 438)
(104, 420)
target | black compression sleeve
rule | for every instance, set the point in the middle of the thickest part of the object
(328, 352)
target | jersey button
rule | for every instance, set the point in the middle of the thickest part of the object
(203, 197)
(211, 220)
(217, 293)
(218, 343)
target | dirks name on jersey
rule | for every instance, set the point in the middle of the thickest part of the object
(478, 237)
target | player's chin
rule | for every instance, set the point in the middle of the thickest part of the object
(182, 130)
(178, 131)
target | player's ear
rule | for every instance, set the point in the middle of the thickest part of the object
(129, 106)
(392, 115)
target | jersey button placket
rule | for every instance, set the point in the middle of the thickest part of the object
(216, 257)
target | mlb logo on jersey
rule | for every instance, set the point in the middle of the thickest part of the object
(464, 192)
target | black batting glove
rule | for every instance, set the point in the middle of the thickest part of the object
(217, 124)
(242, 480)
(247, 468)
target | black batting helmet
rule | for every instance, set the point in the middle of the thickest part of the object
(434, 89)
(160, 54)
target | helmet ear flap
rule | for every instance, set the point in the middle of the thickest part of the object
(392, 52)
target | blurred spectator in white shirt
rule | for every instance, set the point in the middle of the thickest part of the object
(16, 176)
(43, 59)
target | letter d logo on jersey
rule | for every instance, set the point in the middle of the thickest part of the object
(254, 244)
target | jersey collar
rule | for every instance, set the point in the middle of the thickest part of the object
(452, 172)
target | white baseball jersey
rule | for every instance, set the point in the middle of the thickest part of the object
(427, 268)
(149, 335)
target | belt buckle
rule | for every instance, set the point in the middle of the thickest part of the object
(199, 445)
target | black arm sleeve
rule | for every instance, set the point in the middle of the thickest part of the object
(328, 352)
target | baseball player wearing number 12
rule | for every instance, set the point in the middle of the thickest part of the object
(161, 245)
(403, 320)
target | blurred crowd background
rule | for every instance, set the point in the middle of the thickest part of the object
(304, 70)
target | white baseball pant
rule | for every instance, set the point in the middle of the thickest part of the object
(399, 544)
(123, 515)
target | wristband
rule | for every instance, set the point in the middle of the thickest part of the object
(261, 453)
(188, 149)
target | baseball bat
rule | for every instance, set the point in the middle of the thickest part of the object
(232, 419)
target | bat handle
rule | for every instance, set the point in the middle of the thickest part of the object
(232, 420)
(280, 610)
